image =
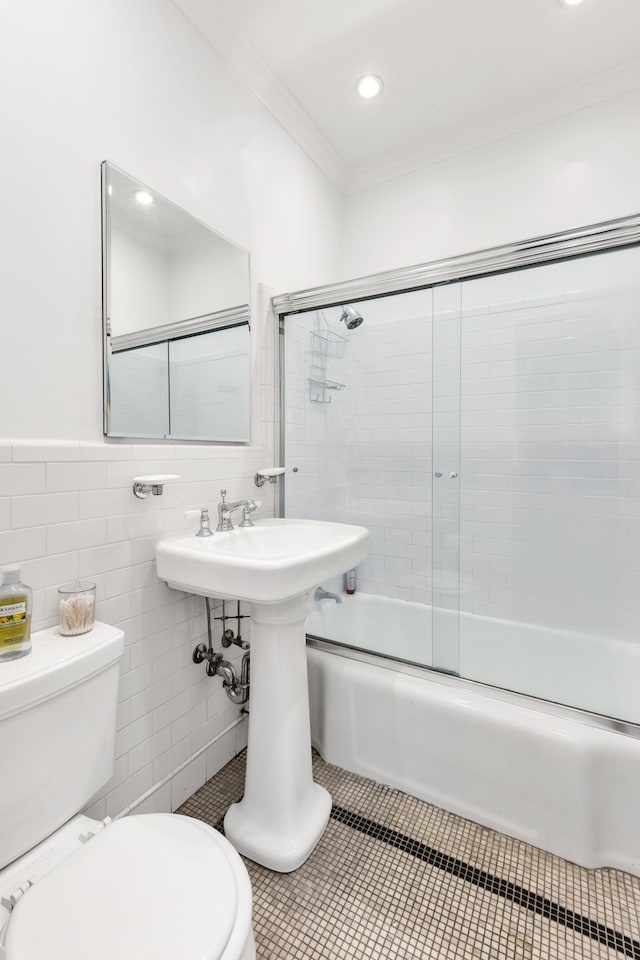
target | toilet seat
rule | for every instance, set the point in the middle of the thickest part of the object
(152, 887)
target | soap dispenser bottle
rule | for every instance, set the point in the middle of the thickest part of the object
(15, 615)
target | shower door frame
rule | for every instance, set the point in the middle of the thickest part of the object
(593, 239)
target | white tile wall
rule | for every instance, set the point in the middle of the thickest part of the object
(550, 445)
(315, 434)
(67, 510)
(365, 457)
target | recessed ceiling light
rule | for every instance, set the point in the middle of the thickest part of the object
(570, 3)
(143, 197)
(369, 86)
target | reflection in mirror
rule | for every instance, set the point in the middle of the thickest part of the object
(139, 391)
(176, 320)
(209, 377)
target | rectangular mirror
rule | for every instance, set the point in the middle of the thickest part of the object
(176, 320)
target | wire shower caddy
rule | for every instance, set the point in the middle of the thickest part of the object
(326, 345)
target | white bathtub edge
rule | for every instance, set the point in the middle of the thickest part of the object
(559, 784)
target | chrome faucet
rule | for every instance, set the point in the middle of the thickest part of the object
(226, 509)
(322, 594)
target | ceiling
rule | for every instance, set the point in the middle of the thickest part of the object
(457, 73)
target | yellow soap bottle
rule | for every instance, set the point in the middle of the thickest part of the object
(15, 615)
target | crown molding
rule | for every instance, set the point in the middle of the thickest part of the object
(252, 71)
(599, 88)
(255, 75)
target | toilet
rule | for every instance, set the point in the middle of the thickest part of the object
(146, 887)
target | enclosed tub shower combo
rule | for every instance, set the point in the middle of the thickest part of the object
(481, 416)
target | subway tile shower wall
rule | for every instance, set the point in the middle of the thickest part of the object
(365, 456)
(67, 510)
(550, 445)
(532, 383)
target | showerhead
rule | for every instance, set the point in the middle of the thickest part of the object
(351, 318)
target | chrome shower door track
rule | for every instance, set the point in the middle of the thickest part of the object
(419, 670)
(597, 238)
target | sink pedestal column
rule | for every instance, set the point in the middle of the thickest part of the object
(283, 812)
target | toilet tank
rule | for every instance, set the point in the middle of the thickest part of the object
(57, 729)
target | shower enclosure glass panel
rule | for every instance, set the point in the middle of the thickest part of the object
(550, 482)
(357, 425)
(487, 432)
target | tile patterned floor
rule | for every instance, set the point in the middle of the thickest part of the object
(394, 878)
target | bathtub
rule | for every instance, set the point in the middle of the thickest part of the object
(560, 778)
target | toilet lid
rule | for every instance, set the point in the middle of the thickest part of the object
(153, 887)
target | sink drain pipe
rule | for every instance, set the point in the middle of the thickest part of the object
(236, 687)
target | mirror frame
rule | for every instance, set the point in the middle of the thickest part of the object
(224, 319)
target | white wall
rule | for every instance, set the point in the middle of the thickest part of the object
(315, 438)
(134, 83)
(365, 457)
(577, 170)
(549, 388)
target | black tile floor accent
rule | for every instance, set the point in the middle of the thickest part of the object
(396, 878)
(487, 881)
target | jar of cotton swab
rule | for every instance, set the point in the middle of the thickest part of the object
(76, 606)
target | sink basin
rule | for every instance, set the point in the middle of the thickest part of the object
(273, 561)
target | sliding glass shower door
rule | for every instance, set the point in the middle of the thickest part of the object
(487, 432)
(550, 481)
(358, 449)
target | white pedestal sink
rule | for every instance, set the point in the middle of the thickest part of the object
(273, 566)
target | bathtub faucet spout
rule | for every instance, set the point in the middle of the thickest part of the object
(322, 594)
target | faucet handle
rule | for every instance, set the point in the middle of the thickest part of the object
(203, 514)
(223, 494)
(248, 509)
